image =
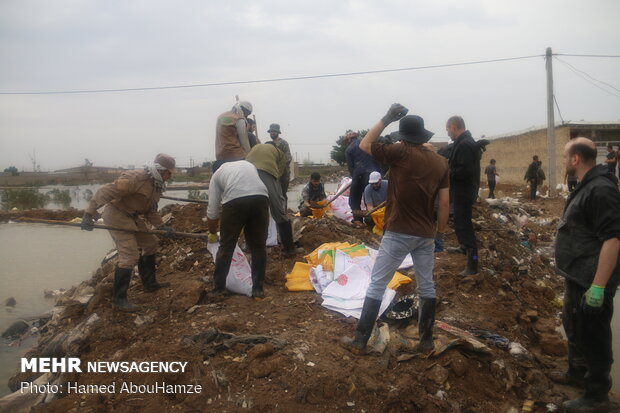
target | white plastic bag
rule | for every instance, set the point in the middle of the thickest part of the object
(239, 279)
(272, 233)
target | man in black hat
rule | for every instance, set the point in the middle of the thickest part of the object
(274, 132)
(464, 164)
(417, 176)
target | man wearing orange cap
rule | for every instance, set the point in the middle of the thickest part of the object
(129, 201)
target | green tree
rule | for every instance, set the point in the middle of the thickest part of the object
(24, 198)
(12, 170)
(337, 152)
(196, 194)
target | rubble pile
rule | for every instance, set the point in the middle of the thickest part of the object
(496, 338)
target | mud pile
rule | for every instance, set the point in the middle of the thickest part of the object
(282, 354)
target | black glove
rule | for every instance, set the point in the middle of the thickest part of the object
(169, 232)
(88, 224)
(395, 112)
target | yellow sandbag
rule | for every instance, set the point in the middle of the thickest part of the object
(314, 259)
(398, 280)
(299, 278)
(319, 212)
(378, 218)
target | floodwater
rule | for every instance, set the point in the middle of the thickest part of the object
(35, 257)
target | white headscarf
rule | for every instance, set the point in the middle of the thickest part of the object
(153, 170)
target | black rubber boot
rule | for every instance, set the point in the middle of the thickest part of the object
(285, 229)
(426, 321)
(457, 250)
(472, 263)
(122, 276)
(587, 404)
(259, 265)
(357, 344)
(146, 268)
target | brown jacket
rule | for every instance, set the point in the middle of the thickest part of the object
(133, 193)
(227, 145)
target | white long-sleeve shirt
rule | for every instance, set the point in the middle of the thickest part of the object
(231, 181)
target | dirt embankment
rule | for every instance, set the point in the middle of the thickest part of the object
(282, 354)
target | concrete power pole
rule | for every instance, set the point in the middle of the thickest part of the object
(550, 124)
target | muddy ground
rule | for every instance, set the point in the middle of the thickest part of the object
(282, 352)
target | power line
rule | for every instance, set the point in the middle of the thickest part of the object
(586, 55)
(281, 79)
(558, 107)
(587, 78)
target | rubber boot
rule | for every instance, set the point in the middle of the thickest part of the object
(219, 282)
(426, 321)
(357, 344)
(472, 263)
(587, 404)
(146, 268)
(259, 265)
(122, 276)
(285, 229)
(457, 250)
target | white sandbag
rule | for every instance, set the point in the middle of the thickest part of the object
(320, 278)
(272, 233)
(340, 207)
(239, 279)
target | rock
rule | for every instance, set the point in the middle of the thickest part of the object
(552, 344)
(459, 366)
(10, 302)
(532, 315)
(260, 369)
(438, 374)
(261, 351)
(15, 330)
(544, 325)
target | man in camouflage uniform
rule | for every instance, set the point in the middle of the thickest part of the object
(129, 201)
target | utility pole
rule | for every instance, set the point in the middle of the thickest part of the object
(550, 124)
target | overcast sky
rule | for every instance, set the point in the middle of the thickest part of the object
(66, 45)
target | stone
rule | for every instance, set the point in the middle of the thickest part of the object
(552, 344)
(438, 374)
(261, 351)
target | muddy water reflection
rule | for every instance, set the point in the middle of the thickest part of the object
(35, 257)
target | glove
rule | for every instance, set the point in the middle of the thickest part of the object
(439, 240)
(592, 301)
(395, 112)
(169, 232)
(88, 224)
(212, 238)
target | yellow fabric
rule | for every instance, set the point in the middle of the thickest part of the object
(378, 218)
(314, 259)
(319, 212)
(299, 278)
(398, 280)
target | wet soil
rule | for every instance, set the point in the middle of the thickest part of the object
(296, 364)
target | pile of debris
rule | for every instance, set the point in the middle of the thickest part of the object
(496, 337)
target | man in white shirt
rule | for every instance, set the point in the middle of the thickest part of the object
(238, 198)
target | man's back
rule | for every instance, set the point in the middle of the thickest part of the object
(227, 145)
(416, 175)
(464, 170)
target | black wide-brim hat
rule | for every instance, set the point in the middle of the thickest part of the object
(411, 129)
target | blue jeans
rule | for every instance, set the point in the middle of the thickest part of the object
(393, 250)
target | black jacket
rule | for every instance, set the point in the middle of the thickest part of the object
(591, 216)
(464, 170)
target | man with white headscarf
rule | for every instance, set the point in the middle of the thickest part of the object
(129, 201)
(231, 134)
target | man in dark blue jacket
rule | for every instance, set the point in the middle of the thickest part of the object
(586, 253)
(360, 166)
(464, 164)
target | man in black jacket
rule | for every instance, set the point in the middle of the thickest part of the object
(586, 252)
(531, 176)
(464, 164)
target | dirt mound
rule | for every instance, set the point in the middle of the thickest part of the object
(282, 354)
(59, 215)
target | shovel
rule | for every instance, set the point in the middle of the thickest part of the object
(174, 198)
(108, 227)
(360, 213)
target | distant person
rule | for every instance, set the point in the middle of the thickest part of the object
(252, 138)
(611, 160)
(376, 190)
(239, 199)
(464, 164)
(274, 133)
(532, 176)
(360, 165)
(491, 173)
(313, 192)
(130, 202)
(271, 163)
(587, 255)
(231, 134)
